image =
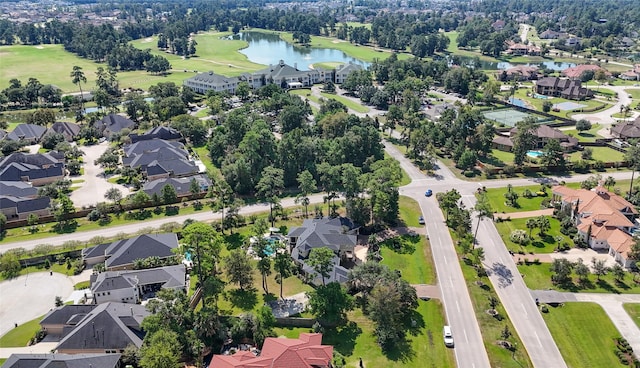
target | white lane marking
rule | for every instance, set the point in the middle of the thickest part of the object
(524, 309)
(537, 337)
(458, 306)
(465, 335)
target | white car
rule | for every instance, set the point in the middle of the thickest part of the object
(448, 336)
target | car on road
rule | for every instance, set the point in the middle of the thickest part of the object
(448, 336)
(421, 220)
(428, 193)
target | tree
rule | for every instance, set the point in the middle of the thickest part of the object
(543, 224)
(483, 210)
(160, 350)
(511, 196)
(270, 187)
(609, 182)
(238, 267)
(330, 303)
(243, 90)
(168, 194)
(632, 157)
(618, 272)
(307, 185)
(546, 106)
(62, 208)
(207, 244)
(561, 269)
(224, 197)
(390, 307)
(3, 223)
(9, 265)
(553, 154)
(283, 265)
(582, 125)
(77, 78)
(581, 270)
(599, 267)
(321, 259)
(263, 251)
(524, 140)
(531, 224)
(115, 196)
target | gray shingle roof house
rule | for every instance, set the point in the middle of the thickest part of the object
(104, 328)
(30, 133)
(544, 134)
(627, 130)
(68, 130)
(121, 254)
(338, 234)
(113, 123)
(38, 159)
(137, 285)
(62, 361)
(181, 185)
(158, 158)
(19, 208)
(343, 71)
(18, 189)
(36, 175)
(561, 87)
(160, 132)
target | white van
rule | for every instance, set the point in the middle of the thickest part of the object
(448, 336)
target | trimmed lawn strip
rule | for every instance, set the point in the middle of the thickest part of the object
(55, 267)
(537, 244)
(82, 285)
(20, 336)
(586, 136)
(347, 102)
(538, 277)
(409, 211)
(498, 201)
(306, 93)
(416, 267)
(604, 154)
(634, 92)
(633, 309)
(584, 334)
(424, 350)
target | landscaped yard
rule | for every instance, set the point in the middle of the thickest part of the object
(409, 212)
(347, 102)
(20, 336)
(584, 334)
(537, 244)
(305, 93)
(634, 92)
(585, 136)
(414, 260)
(633, 309)
(356, 340)
(538, 277)
(497, 200)
(604, 154)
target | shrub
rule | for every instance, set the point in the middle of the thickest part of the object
(519, 236)
(509, 170)
(469, 173)
(544, 309)
(527, 193)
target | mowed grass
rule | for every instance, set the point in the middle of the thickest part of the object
(634, 92)
(585, 136)
(633, 310)
(604, 154)
(409, 212)
(538, 244)
(538, 277)
(305, 93)
(584, 334)
(51, 64)
(498, 201)
(20, 336)
(347, 102)
(416, 265)
(424, 349)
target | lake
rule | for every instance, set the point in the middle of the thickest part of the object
(502, 65)
(269, 49)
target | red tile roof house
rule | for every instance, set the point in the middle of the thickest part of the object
(604, 220)
(306, 351)
(633, 74)
(577, 71)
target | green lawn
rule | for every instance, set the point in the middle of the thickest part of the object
(415, 262)
(498, 158)
(634, 92)
(633, 309)
(20, 336)
(347, 102)
(82, 285)
(538, 277)
(327, 65)
(409, 211)
(203, 154)
(584, 334)
(604, 154)
(305, 93)
(497, 200)
(585, 136)
(425, 349)
(538, 244)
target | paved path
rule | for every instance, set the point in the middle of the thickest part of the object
(41, 348)
(427, 291)
(604, 117)
(525, 214)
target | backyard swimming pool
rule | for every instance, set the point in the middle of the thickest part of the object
(541, 97)
(534, 154)
(517, 102)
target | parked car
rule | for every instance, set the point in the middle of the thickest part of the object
(421, 220)
(428, 193)
(448, 336)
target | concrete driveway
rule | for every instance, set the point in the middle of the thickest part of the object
(95, 185)
(30, 296)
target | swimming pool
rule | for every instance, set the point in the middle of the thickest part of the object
(541, 97)
(535, 154)
(517, 102)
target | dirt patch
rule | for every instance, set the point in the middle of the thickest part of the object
(338, 41)
(39, 47)
(147, 40)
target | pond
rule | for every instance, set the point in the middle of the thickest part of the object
(502, 65)
(269, 49)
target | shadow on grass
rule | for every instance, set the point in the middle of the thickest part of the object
(607, 286)
(243, 299)
(234, 241)
(401, 351)
(493, 161)
(69, 227)
(343, 338)
(270, 297)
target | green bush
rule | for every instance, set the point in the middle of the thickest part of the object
(469, 173)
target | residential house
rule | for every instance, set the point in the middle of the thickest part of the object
(578, 71)
(121, 254)
(550, 35)
(181, 185)
(28, 133)
(283, 75)
(62, 361)
(633, 74)
(626, 130)
(544, 134)
(160, 132)
(605, 220)
(38, 169)
(498, 25)
(338, 234)
(343, 71)
(522, 49)
(19, 208)
(562, 87)
(519, 73)
(3, 134)
(158, 158)
(306, 351)
(68, 130)
(18, 189)
(112, 124)
(104, 328)
(137, 285)
(572, 41)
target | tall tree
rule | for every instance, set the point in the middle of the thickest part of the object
(306, 185)
(160, 350)
(270, 187)
(330, 303)
(483, 210)
(282, 264)
(238, 267)
(524, 140)
(321, 259)
(632, 157)
(77, 78)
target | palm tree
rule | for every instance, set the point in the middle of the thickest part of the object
(78, 78)
(531, 224)
(609, 182)
(483, 210)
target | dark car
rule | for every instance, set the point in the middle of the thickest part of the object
(428, 193)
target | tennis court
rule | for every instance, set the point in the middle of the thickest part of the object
(508, 117)
(564, 106)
